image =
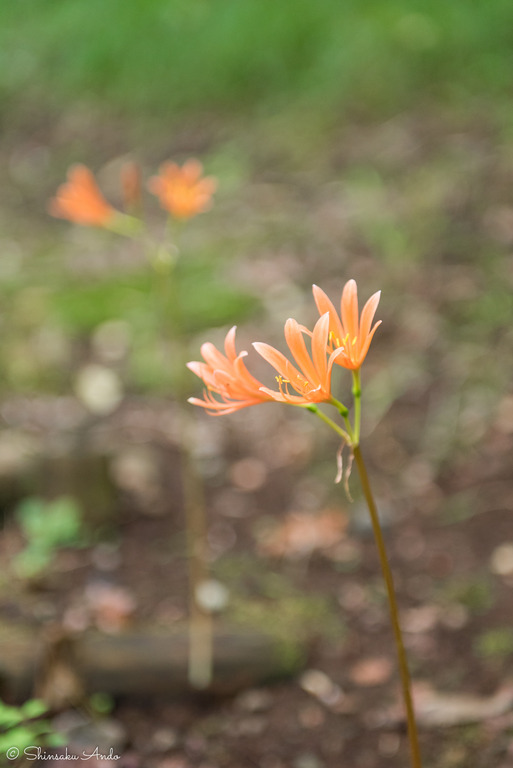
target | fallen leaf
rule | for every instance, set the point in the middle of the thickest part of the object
(301, 534)
(311, 716)
(421, 619)
(111, 607)
(248, 474)
(371, 671)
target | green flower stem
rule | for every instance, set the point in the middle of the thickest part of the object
(344, 412)
(125, 225)
(343, 434)
(357, 397)
(173, 229)
(392, 602)
(163, 259)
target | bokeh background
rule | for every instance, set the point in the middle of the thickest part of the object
(371, 140)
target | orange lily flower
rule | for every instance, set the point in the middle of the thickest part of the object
(182, 190)
(350, 334)
(227, 377)
(311, 381)
(79, 200)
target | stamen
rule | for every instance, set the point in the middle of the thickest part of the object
(283, 390)
(334, 339)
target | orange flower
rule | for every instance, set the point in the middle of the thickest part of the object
(182, 191)
(80, 200)
(349, 334)
(227, 377)
(312, 381)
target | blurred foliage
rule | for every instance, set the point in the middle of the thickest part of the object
(495, 643)
(23, 727)
(101, 703)
(475, 593)
(46, 320)
(169, 55)
(204, 301)
(263, 597)
(47, 527)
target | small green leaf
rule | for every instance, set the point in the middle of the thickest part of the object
(34, 708)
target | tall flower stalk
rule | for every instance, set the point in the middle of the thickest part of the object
(183, 192)
(342, 340)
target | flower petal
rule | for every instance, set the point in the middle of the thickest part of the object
(296, 344)
(278, 361)
(320, 348)
(368, 313)
(213, 357)
(229, 344)
(324, 304)
(349, 310)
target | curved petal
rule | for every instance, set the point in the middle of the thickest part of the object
(229, 344)
(230, 387)
(242, 373)
(324, 305)
(216, 408)
(320, 349)
(296, 344)
(278, 361)
(197, 368)
(368, 313)
(282, 397)
(213, 357)
(340, 357)
(349, 310)
(366, 344)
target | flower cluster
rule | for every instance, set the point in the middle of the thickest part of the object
(336, 339)
(183, 192)
(227, 377)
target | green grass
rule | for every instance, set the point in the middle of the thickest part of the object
(166, 56)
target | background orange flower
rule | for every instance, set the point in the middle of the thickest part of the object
(182, 190)
(79, 200)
